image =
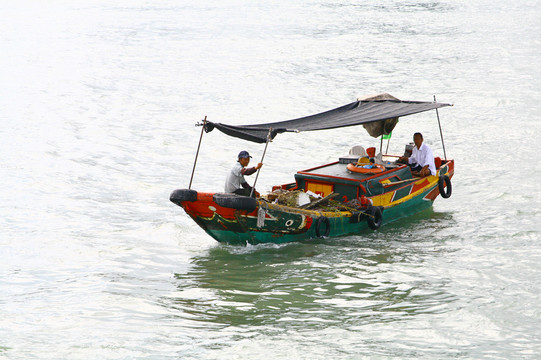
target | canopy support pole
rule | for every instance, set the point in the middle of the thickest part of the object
(262, 157)
(387, 150)
(197, 153)
(441, 133)
(381, 145)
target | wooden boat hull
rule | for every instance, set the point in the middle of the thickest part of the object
(272, 223)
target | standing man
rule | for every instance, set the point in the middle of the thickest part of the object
(235, 182)
(421, 160)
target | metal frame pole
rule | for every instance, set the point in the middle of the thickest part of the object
(262, 157)
(197, 153)
(441, 133)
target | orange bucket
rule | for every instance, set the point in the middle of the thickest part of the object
(371, 152)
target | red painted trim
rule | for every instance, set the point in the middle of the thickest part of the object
(417, 187)
(390, 177)
(433, 194)
(317, 167)
(348, 179)
(319, 181)
(200, 208)
(284, 186)
(362, 188)
(309, 222)
(326, 176)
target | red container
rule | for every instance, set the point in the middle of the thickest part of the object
(371, 152)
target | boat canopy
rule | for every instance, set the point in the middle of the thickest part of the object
(361, 112)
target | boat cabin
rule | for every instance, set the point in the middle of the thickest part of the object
(338, 179)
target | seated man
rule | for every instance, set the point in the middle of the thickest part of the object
(421, 160)
(235, 182)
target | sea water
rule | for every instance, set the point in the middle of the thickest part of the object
(98, 106)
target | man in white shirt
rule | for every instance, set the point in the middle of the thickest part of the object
(235, 182)
(421, 159)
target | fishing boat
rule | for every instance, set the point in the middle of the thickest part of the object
(358, 192)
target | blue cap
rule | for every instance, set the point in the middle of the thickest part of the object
(244, 154)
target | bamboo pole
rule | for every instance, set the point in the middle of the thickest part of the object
(399, 182)
(387, 149)
(197, 153)
(262, 157)
(441, 133)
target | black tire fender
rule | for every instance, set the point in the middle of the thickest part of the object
(375, 217)
(445, 187)
(234, 201)
(180, 195)
(319, 221)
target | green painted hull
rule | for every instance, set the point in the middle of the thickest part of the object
(258, 221)
(340, 224)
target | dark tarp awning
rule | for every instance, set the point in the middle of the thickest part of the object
(356, 113)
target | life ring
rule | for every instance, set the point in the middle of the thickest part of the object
(375, 217)
(181, 195)
(234, 201)
(444, 180)
(323, 219)
(370, 168)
